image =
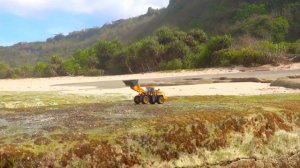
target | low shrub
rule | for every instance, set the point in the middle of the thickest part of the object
(250, 10)
(294, 48)
(216, 44)
(245, 56)
(172, 65)
(220, 42)
(95, 72)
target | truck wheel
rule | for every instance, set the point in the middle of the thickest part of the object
(152, 100)
(160, 100)
(145, 100)
(137, 99)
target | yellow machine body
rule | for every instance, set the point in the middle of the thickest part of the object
(148, 95)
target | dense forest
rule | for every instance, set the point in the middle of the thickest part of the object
(181, 36)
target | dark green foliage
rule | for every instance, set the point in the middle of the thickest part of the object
(94, 72)
(128, 59)
(215, 44)
(50, 71)
(165, 35)
(262, 53)
(250, 10)
(198, 59)
(279, 29)
(167, 49)
(72, 67)
(277, 6)
(39, 69)
(246, 57)
(220, 42)
(263, 27)
(149, 54)
(4, 70)
(25, 71)
(257, 26)
(105, 50)
(198, 35)
(176, 49)
(174, 64)
(295, 47)
(292, 13)
(55, 68)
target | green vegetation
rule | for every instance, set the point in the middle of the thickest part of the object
(185, 132)
(263, 52)
(166, 49)
(263, 27)
(251, 10)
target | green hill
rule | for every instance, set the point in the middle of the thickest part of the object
(259, 18)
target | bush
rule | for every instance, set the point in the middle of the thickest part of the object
(256, 26)
(25, 71)
(226, 58)
(95, 72)
(279, 28)
(250, 10)
(254, 58)
(50, 71)
(176, 49)
(275, 49)
(4, 70)
(69, 67)
(245, 56)
(216, 44)
(263, 27)
(172, 65)
(149, 54)
(198, 58)
(117, 65)
(105, 50)
(219, 43)
(198, 35)
(165, 35)
(294, 48)
(39, 69)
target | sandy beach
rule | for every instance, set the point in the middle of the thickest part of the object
(67, 84)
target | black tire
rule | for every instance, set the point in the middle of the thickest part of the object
(137, 99)
(160, 100)
(145, 100)
(152, 100)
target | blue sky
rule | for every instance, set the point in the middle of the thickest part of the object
(37, 20)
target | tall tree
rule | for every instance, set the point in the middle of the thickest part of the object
(105, 50)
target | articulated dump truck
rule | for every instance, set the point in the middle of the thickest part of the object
(146, 96)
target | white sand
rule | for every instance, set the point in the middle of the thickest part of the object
(242, 89)
(47, 84)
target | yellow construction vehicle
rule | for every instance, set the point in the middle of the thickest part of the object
(150, 95)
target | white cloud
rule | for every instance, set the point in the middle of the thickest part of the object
(121, 8)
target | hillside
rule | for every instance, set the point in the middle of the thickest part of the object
(213, 16)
